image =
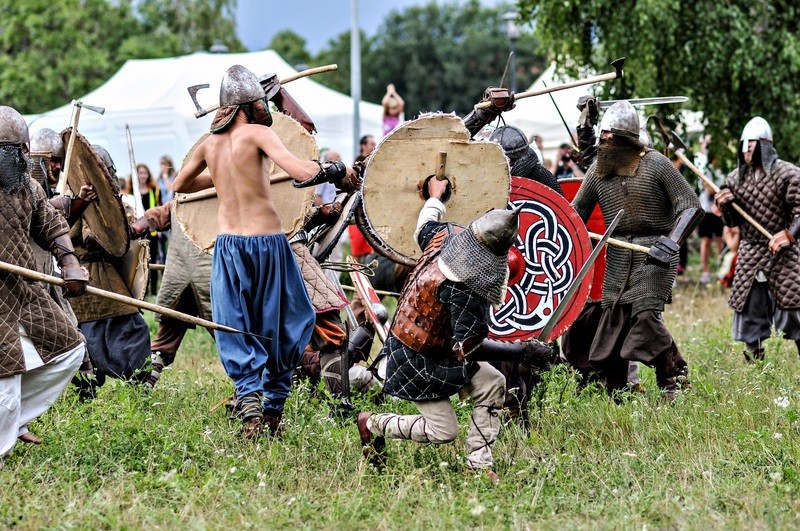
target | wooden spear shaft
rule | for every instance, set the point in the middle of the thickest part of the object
(169, 312)
(62, 181)
(758, 226)
(293, 77)
(620, 243)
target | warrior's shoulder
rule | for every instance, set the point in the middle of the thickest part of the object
(786, 169)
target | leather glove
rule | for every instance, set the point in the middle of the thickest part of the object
(75, 280)
(723, 197)
(781, 240)
(139, 228)
(537, 354)
(662, 252)
(329, 172)
(590, 111)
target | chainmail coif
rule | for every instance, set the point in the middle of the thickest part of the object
(14, 168)
(476, 266)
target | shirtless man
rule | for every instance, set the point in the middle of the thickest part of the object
(255, 282)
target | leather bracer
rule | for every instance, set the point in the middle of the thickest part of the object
(329, 172)
(360, 344)
(532, 352)
(75, 276)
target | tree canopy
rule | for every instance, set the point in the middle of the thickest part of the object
(439, 56)
(52, 52)
(734, 59)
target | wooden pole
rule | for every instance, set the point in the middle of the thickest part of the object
(621, 244)
(758, 226)
(293, 77)
(441, 162)
(62, 181)
(169, 312)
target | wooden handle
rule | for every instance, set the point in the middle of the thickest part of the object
(621, 244)
(758, 226)
(62, 181)
(293, 77)
(169, 312)
(555, 88)
(441, 162)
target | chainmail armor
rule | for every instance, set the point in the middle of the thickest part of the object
(14, 168)
(476, 266)
(652, 199)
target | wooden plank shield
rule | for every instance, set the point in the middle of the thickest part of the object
(197, 212)
(403, 160)
(105, 216)
(550, 250)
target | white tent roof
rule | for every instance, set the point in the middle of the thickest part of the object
(150, 95)
(538, 115)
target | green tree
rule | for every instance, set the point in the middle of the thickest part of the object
(439, 57)
(290, 46)
(734, 59)
(51, 52)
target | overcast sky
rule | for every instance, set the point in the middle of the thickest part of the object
(315, 20)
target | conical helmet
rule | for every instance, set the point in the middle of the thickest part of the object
(105, 156)
(756, 129)
(497, 229)
(48, 141)
(239, 85)
(13, 128)
(511, 139)
(621, 119)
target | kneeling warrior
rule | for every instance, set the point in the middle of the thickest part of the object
(439, 332)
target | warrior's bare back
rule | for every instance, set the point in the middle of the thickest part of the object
(239, 162)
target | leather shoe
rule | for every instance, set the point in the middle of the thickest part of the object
(373, 446)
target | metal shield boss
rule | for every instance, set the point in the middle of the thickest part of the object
(551, 248)
(197, 212)
(398, 168)
(106, 216)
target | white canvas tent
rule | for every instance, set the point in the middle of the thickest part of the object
(150, 95)
(538, 115)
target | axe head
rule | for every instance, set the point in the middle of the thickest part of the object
(193, 94)
(677, 142)
(98, 110)
(618, 64)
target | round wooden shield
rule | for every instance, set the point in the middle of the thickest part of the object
(197, 212)
(406, 157)
(597, 224)
(105, 216)
(323, 239)
(551, 248)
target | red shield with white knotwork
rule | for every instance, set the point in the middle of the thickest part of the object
(551, 248)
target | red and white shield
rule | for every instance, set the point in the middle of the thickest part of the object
(551, 248)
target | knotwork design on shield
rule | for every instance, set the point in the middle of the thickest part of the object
(551, 248)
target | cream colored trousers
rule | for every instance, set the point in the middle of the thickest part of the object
(437, 421)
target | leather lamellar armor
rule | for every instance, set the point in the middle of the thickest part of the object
(421, 322)
(773, 199)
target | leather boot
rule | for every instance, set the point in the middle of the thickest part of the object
(666, 375)
(249, 409)
(272, 421)
(373, 446)
(753, 352)
(797, 344)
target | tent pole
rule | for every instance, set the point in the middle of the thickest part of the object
(355, 72)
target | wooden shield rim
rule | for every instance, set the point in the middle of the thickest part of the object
(460, 136)
(111, 234)
(280, 177)
(580, 237)
(323, 243)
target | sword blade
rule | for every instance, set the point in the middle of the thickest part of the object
(576, 284)
(641, 102)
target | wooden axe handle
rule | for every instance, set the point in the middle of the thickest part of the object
(758, 226)
(621, 244)
(293, 77)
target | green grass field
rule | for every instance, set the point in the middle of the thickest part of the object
(724, 455)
